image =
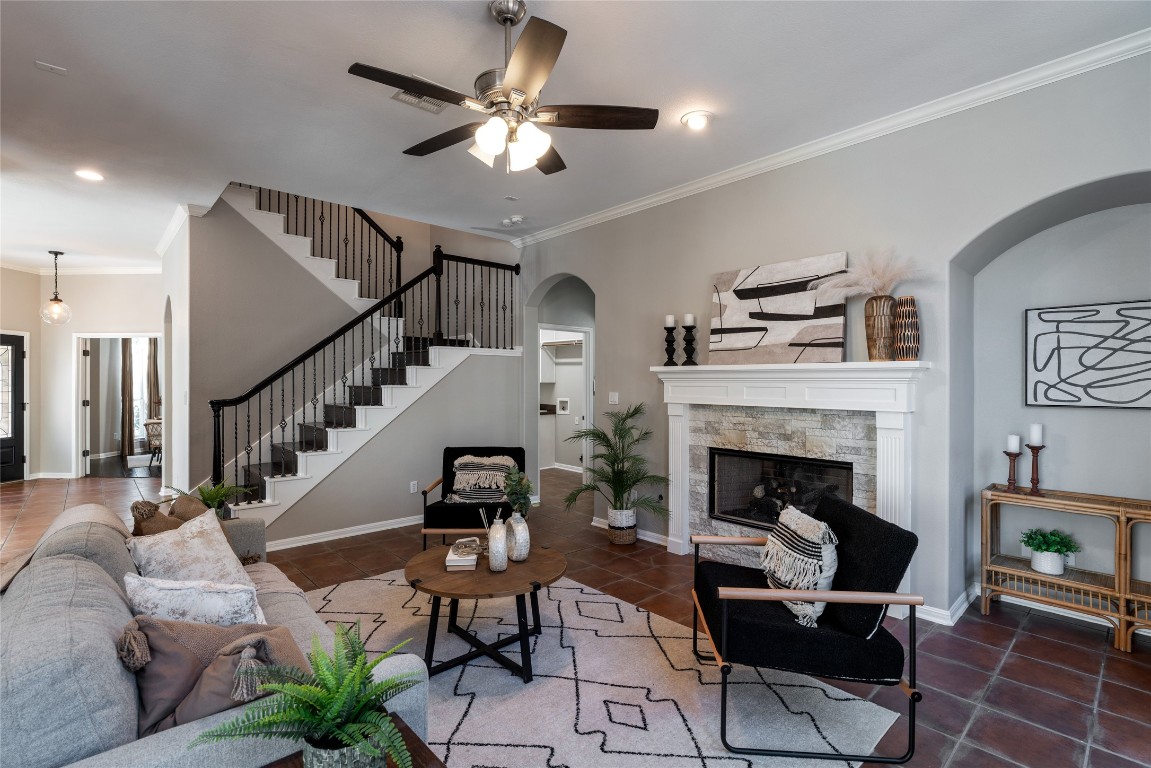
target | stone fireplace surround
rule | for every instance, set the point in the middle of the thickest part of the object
(827, 406)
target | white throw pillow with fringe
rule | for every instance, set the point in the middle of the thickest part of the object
(800, 554)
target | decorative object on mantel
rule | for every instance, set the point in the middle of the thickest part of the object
(1035, 445)
(773, 314)
(617, 470)
(55, 311)
(906, 329)
(1089, 355)
(1048, 549)
(876, 275)
(689, 340)
(669, 340)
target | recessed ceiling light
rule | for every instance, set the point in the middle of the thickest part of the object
(697, 120)
(511, 198)
(90, 175)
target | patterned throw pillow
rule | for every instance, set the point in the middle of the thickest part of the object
(205, 602)
(481, 478)
(196, 551)
(800, 554)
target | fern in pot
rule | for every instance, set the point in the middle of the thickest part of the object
(1048, 549)
(617, 471)
(337, 709)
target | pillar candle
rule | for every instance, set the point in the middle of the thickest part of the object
(1036, 436)
(1013, 443)
(669, 321)
(689, 320)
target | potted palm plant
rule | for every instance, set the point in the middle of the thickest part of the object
(216, 496)
(617, 470)
(1047, 549)
(337, 709)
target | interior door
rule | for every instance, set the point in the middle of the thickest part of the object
(12, 408)
(84, 435)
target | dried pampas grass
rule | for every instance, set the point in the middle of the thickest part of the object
(875, 274)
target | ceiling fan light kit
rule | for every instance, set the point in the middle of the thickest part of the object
(697, 120)
(510, 96)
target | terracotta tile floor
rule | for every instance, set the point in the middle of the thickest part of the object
(1014, 688)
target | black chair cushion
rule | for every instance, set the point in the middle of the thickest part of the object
(444, 514)
(763, 633)
(451, 454)
(873, 556)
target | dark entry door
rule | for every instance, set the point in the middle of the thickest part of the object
(11, 407)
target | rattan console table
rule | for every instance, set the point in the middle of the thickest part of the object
(1115, 597)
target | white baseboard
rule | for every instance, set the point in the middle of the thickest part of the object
(566, 467)
(52, 476)
(948, 617)
(654, 538)
(107, 455)
(343, 533)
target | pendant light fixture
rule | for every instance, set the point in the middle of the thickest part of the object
(55, 311)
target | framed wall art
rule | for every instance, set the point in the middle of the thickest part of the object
(1089, 355)
(771, 314)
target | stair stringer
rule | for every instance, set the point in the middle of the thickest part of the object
(296, 246)
(314, 466)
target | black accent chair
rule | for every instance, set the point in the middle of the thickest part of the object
(747, 623)
(444, 517)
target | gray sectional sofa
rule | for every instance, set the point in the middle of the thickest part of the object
(65, 698)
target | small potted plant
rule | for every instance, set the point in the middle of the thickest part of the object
(617, 471)
(216, 496)
(1047, 549)
(336, 708)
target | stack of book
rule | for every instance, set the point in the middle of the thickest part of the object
(461, 558)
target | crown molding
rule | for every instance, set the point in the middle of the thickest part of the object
(179, 216)
(152, 270)
(22, 268)
(1135, 44)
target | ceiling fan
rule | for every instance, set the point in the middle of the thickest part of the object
(510, 96)
(508, 224)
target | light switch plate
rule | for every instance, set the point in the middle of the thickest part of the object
(613, 398)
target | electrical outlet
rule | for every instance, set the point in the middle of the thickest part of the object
(1069, 559)
(613, 398)
(413, 487)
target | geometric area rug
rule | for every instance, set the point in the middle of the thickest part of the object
(614, 686)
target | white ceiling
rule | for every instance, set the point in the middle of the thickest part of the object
(172, 100)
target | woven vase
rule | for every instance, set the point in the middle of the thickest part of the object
(519, 539)
(879, 320)
(906, 329)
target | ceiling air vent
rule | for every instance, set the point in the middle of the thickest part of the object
(435, 106)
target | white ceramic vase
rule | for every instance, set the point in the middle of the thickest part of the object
(498, 546)
(1050, 563)
(519, 540)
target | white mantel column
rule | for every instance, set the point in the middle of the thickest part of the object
(679, 474)
(891, 470)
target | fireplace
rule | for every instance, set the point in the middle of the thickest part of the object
(751, 488)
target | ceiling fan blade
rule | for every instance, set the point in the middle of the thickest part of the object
(533, 58)
(551, 162)
(598, 116)
(403, 82)
(444, 140)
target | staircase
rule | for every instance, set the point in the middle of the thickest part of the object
(294, 428)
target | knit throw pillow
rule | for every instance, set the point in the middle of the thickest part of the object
(800, 554)
(481, 478)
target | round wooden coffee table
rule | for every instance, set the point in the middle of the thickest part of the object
(426, 573)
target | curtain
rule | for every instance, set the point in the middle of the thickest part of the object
(127, 431)
(153, 379)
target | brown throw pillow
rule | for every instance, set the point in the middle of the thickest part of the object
(184, 508)
(148, 519)
(186, 671)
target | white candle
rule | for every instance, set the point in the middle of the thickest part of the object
(669, 321)
(689, 320)
(1013, 443)
(1036, 436)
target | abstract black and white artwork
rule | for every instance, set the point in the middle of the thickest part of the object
(771, 314)
(1090, 355)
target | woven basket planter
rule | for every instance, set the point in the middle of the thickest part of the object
(621, 526)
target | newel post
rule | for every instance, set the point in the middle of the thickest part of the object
(217, 443)
(438, 263)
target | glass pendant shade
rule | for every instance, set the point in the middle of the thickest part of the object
(55, 311)
(475, 150)
(534, 140)
(492, 137)
(520, 156)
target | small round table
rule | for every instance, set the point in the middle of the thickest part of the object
(426, 573)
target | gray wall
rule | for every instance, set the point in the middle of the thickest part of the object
(1097, 258)
(927, 191)
(20, 301)
(476, 404)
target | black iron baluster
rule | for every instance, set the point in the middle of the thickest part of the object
(247, 446)
(235, 447)
(315, 392)
(295, 422)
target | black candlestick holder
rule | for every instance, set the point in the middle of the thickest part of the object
(689, 345)
(669, 345)
(1011, 457)
(1035, 449)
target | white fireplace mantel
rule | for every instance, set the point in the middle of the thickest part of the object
(886, 389)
